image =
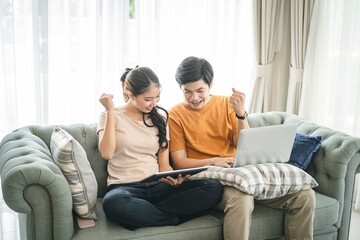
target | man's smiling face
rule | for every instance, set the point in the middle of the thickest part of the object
(197, 94)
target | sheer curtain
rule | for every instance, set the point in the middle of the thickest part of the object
(57, 57)
(331, 82)
(54, 58)
(218, 30)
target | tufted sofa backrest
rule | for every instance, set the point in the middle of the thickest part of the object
(338, 149)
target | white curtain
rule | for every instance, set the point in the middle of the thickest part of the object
(331, 82)
(300, 11)
(54, 58)
(218, 30)
(58, 56)
(272, 44)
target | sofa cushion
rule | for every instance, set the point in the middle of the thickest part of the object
(263, 181)
(71, 158)
(202, 228)
(210, 226)
(272, 220)
(304, 149)
(326, 211)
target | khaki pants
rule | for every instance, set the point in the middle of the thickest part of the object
(238, 207)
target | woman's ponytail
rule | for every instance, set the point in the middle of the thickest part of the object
(124, 85)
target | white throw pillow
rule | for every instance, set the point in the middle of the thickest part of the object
(263, 181)
(71, 158)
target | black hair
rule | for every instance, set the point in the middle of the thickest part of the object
(192, 69)
(137, 81)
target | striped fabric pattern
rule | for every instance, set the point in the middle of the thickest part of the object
(71, 158)
(263, 181)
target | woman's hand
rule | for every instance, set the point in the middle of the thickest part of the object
(175, 182)
(107, 101)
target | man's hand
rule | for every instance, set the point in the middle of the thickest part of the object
(107, 101)
(223, 162)
(237, 100)
(175, 182)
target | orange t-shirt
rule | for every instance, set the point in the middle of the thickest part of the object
(206, 132)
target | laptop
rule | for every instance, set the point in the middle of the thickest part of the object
(269, 144)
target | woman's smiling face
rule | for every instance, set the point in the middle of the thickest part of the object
(146, 101)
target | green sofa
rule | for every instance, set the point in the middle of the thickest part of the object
(35, 187)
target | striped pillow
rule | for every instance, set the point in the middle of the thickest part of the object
(71, 158)
(263, 181)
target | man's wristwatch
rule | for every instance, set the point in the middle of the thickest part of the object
(242, 117)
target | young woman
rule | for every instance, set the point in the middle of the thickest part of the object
(134, 138)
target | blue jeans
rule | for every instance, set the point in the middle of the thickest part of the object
(134, 205)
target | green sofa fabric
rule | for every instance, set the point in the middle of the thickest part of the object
(35, 187)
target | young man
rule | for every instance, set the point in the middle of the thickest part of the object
(204, 130)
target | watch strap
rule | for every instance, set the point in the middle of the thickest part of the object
(242, 117)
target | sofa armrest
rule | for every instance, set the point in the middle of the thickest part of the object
(32, 184)
(334, 166)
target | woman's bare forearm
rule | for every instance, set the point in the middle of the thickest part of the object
(107, 140)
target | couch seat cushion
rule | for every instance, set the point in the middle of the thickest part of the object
(205, 227)
(210, 226)
(326, 212)
(272, 220)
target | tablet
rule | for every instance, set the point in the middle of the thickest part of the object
(174, 173)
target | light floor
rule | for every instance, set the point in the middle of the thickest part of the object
(9, 223)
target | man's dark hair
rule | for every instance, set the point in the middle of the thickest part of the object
(192, 69)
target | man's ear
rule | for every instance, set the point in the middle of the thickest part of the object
(211, 84)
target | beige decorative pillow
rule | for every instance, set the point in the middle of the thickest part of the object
(71, 158)
(263, 181)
